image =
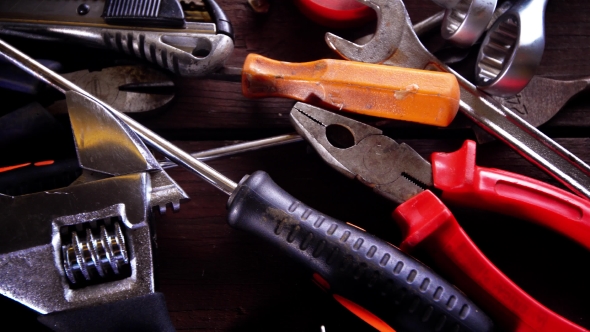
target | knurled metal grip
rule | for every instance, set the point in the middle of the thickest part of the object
(358, 266)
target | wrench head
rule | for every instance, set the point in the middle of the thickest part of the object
(361, 152)
(392, 20)
(466, 22)
(512, 50)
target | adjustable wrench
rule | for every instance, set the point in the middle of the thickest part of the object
(81, 255)
(395, 43)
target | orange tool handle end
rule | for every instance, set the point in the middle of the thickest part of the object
(383, 91)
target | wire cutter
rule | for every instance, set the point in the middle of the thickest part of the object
(399, 173)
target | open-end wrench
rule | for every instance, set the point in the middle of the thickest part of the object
(396, 44)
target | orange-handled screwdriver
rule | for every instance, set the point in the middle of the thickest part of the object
(383, 91)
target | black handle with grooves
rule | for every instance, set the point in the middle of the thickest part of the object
(395, 287)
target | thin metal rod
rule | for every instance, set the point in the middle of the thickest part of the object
(233, 149)
(168, 149)
(429, 23)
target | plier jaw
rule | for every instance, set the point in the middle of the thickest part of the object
(393, 170)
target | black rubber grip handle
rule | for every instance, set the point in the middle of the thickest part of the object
(360, 267)
(146, 313)
(222, 23)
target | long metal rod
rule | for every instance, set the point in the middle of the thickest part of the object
(168, 149)
(233, 149)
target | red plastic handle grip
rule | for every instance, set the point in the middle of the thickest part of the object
(336, 13)
(466, 184)
(427, 222)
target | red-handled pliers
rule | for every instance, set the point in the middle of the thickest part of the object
(397, 172)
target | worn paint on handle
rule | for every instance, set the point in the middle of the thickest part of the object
(383, 91)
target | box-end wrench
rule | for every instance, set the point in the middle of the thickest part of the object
(396, 44)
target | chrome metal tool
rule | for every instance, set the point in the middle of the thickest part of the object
(552, 94)
(465, 21)
(395, 43)
(156, 31)
(81, 255)
(512, 49)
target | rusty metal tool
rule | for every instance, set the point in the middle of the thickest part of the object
(131, 89)
(553, 94)
(363, 273)
(395, 43)
(400, 174)
(158, 31)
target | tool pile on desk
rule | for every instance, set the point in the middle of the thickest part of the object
(78, 233)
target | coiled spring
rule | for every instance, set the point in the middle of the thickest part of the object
(98, 255)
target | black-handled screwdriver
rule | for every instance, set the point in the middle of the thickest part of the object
(373, 279)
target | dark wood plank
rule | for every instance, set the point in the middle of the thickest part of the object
(217, 278)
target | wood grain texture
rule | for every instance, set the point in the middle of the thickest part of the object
(216, 278)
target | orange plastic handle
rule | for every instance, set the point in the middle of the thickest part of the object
(383, 91)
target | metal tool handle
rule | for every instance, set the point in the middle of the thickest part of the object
(428, 224)
(145, 313)
(195, 51)
(513, 194)
(358, 269)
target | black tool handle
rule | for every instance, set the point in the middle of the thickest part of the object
(357, 268)
(147, 313)
(155, 13)
(222, 23)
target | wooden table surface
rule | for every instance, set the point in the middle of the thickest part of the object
(218, 278)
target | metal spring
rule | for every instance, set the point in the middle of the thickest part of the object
(94, 256)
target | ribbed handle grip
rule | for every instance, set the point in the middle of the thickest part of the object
(359, 269)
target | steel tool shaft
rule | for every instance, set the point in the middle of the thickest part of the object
(161, 145)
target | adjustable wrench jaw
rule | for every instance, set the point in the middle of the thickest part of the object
(87, 244)
(38, 227)
(393, 170)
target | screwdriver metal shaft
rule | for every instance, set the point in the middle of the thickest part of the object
(168, 149)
